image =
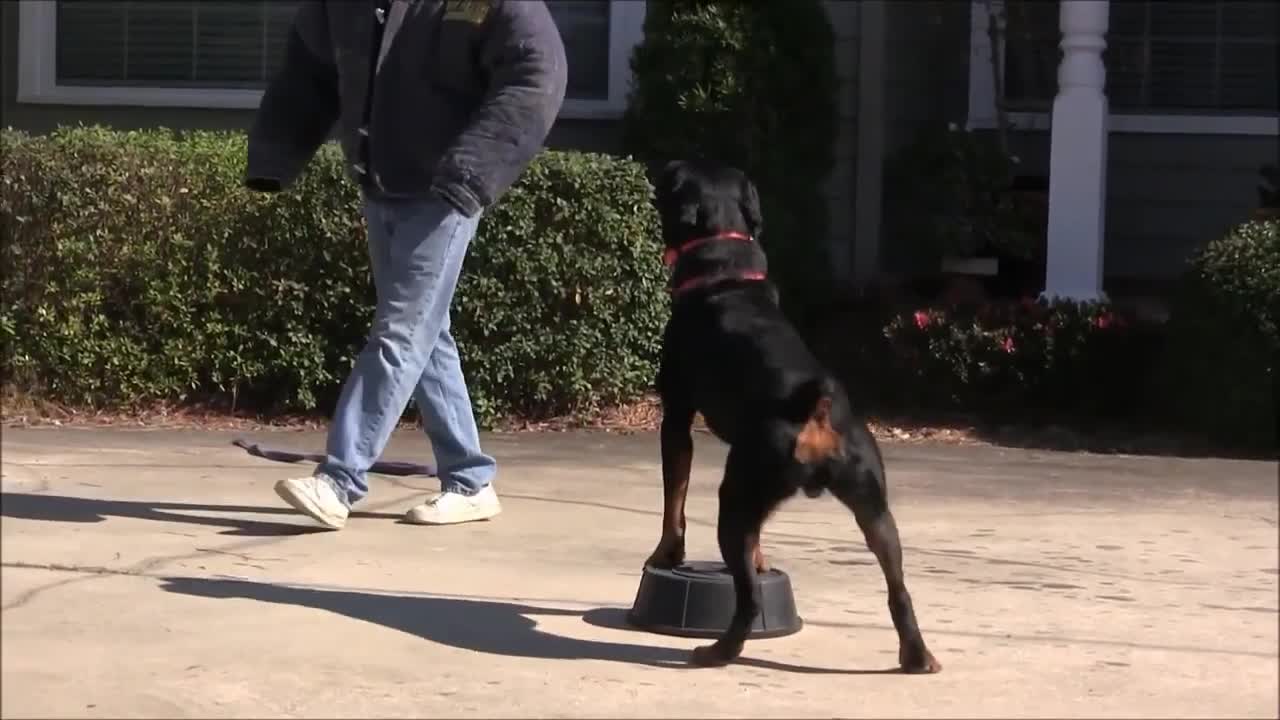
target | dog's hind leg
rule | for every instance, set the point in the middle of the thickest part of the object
(744, 505)
(861, 489)
(677, 461)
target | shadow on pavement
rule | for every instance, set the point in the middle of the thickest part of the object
(486, 626)
(63, 508)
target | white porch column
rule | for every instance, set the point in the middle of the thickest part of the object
(1078, 156)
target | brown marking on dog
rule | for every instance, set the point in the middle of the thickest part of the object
(817, 440)
(757, 556)
(670, 550)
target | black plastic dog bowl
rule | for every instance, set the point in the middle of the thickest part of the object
(696, 600)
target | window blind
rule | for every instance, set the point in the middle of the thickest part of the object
(1167, 56)
(240, 43)
(191, 43)
(584, 29)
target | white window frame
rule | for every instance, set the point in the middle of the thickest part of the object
(982, 105)
(38, 81)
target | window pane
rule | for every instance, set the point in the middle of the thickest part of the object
(229, 42)
(1184, 18)
(1161, 56)
(584, 28)
(1126, 63)
(1031, 53)
(1249, 19)
(1127, 18)
(1249, 77)
(279, 22)
(159, 50)
(90, 43)
(177, 43)
(240, 43)
(1182, 75)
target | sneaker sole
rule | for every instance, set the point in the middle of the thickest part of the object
(474, 516)
(308, 507)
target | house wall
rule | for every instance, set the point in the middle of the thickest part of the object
(926, 82)
(842, 182)
(1167, 195)
(592, 135)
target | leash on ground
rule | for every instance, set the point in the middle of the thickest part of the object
(382, 467)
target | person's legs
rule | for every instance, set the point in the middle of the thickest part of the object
(449, 422)
(416, 250)
(466, 472)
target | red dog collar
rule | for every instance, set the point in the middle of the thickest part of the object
(671, 255)
(696, 282)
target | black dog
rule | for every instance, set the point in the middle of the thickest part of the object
(730, 354)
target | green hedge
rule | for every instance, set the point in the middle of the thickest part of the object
(751, 84)
(1219, 374)
(139, 270)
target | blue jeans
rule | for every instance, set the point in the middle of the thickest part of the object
(416, 249)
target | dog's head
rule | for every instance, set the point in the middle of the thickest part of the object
(699, 198)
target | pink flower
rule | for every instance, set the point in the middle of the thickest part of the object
(1007, 345)
(922, 319)
(1103, 321)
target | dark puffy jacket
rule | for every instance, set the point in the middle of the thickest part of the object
(463, 100)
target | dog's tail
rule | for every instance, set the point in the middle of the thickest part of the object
(818, 441)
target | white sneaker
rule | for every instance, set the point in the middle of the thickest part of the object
(448, 508)
(316, 497)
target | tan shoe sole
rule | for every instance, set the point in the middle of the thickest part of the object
(472, 515)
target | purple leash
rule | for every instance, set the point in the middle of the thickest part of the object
(382, 467)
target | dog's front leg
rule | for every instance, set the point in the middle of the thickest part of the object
(677, 460)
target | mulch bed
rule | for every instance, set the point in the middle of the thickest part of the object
(643, 416)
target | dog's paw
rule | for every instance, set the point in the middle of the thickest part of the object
(711, 656)
(668, 554)
(918, 662)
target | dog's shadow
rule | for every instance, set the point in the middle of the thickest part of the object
(486, 626)
(68, 509)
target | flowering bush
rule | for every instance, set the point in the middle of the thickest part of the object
(1060, 357)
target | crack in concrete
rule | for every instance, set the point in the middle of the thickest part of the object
(91, 572)
(242, 556)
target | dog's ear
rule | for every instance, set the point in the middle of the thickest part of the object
(670, 183)
(749, 204)
(672, 176)
(689, 213)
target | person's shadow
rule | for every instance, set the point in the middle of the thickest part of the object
(63, 508)
(485, 626)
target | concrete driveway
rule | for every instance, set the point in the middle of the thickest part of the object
(154, 573)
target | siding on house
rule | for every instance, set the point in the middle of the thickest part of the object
(926, 76)
(1167, 195)
(926, 79)
(840, 187)
(592, 135)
